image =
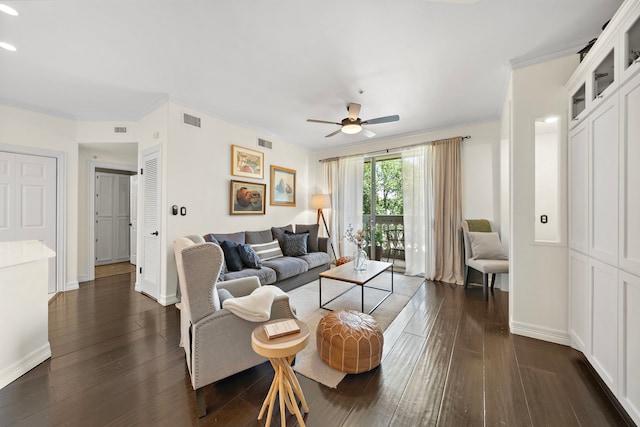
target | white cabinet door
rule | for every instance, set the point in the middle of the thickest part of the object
(629, 256)
(579, 188)
(630, 343)
(580, 300)
(603, 229)
(604, 337)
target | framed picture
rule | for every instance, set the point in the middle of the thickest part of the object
(247, 198)
(283, 186)
(247, 162)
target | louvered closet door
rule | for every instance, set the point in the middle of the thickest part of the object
(150, 227)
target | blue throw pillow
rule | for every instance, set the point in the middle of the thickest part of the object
(308, 238)
(231, 257)
(295, 244)
(248, 256)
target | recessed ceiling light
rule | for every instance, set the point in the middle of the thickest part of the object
(8, 46)
(8, 10)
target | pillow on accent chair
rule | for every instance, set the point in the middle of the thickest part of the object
(231, 256)
(486, 246)
(295, 244)
(267, 251)
(249, 257)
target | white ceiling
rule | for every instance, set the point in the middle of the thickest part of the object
(270, 65)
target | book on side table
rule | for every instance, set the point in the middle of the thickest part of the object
(281, 328)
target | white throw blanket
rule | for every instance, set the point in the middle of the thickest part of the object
(255, 307)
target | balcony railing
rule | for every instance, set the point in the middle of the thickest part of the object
(390, 228)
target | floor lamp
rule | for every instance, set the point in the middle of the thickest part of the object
(320, 202)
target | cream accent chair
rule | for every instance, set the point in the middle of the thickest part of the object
(216, 342)
(495, 265)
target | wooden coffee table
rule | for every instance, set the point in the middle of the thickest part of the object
(346, 273)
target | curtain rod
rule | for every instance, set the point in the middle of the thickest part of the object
(391, 150)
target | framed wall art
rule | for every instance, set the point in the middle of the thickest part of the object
(247, 198)
(247, 162)
(283, 186)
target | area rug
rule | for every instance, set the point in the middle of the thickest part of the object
(305, 300)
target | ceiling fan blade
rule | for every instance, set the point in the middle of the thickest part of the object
(385, 119)
(324, 121)
(354, 111)
(368, 133)
(334, 133)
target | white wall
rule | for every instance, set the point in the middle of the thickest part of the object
(34, 130)
(539, 276)
(198, 175)
(480, 159)
(546, 187)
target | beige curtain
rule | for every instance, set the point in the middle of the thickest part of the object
(448, 210)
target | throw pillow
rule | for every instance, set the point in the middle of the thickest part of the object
(224, 294)
(249, 257)
(293, 234)
(267, 251)
(312, 229)
(231, 257)
(295, 244)
(223, 271)
(211, 238)
(278, 232)
(486, 245)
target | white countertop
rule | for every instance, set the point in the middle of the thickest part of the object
(14, 253)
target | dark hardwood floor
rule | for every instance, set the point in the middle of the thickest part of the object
(449, 360)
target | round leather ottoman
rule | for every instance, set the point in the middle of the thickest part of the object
(349, 341)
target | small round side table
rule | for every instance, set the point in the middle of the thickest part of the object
(281, 351)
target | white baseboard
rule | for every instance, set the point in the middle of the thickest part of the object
(24, 365)
(540, 332)
(84, 278)
(168, 299)
(137, 287)
(72, 286)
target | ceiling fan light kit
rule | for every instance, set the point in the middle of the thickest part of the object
(351, 128)
(353, 124)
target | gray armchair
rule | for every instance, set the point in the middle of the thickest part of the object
(216, 342)
(483, 252)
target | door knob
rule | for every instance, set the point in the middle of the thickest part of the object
(155, 233)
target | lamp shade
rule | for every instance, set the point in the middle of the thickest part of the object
(320, 201)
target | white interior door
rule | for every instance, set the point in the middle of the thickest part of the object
(150, 227)
(112, 218)
(105, 235)
(28, 202)
(133, 219)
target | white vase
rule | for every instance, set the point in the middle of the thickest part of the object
(359, 260)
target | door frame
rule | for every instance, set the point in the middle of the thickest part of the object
(61, 207)
(91, 237)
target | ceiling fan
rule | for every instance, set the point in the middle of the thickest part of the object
(352, 124)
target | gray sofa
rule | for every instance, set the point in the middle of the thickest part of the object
(286, 272)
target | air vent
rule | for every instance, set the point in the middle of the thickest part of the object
(191, 120)
(120, 129)
(264, 143)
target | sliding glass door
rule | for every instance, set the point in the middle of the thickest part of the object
(382, 208)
